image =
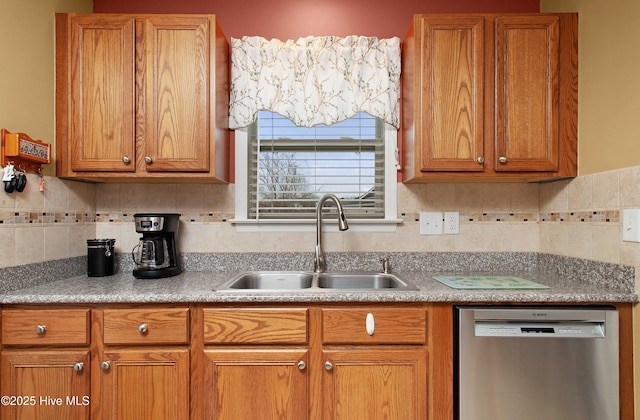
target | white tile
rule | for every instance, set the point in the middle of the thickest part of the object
(56, 242)
(29, 245)
(8, 250)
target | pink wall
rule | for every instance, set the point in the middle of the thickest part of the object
(291, 19)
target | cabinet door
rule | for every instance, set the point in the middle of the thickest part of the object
(144, 384)
(253, 383)
(101, 103)
(47, 384)
(527, 64)
(375, 384)
(452, 94)
(176, 125)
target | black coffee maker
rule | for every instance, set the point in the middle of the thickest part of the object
(156, 255)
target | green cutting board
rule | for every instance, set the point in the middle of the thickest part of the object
(488, 282)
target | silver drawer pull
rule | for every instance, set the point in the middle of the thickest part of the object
(78, 367)
(328, 365)
(302, 365)
(143, 328)
(105, 365)
(41, 329)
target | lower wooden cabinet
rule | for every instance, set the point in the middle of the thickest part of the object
(338, 362)
(141, 369)
(254, 363)
(375, 362)
(44, 364)
(375, 384)
(256, 383)
(45, 384)
(216, 362)
(148, 383)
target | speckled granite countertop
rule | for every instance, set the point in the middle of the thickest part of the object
(205, 287)
(569, 281)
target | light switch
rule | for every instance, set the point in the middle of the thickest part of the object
(431, 223)
(631, 225)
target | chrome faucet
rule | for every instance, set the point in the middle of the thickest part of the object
(320, 265)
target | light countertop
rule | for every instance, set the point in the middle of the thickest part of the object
(205, 287)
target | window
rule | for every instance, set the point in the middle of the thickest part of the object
(282, 170)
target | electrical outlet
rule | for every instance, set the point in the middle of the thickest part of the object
(430, 223)
(631, 225)
(451, 222)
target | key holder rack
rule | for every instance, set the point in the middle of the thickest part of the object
(25, 153)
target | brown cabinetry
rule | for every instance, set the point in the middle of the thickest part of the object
(490, 96)
(246, 361)
(255, 363)
(375, 363)
(45, 364)
(313, 362)
(142, 368)
(141, 97)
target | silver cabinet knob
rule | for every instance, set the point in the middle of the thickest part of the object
(148, 159)
(328, 365)
(502, 159)
(143, 328)
(480, 159)
(302, 365)
(126, 160)
(78, 367)
(105, 365)
(41, 329)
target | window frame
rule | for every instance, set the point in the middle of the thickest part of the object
(386, 224)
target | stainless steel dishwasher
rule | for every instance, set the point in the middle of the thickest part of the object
(534, 363)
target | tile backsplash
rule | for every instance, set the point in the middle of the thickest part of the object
(578, 217)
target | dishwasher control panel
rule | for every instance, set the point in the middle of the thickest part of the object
(551, 329)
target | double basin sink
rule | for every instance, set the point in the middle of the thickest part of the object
(307, 280)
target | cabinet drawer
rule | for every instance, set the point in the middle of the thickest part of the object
(46, 327)
(146, 326)
(256, 326)
(374, 325)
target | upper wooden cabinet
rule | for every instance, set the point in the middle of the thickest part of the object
(490, 96)
(142, 96)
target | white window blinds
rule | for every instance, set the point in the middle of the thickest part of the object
(291, 167)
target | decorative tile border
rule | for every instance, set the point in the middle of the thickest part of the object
(45, 217)
(196, 217)
(76, 217)
(600, 216)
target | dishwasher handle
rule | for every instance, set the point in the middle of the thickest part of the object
(497, 328)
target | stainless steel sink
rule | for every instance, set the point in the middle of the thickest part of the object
(304, 280)
(272, 280)
(361, 280)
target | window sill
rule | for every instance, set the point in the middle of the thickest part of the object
(281, 225)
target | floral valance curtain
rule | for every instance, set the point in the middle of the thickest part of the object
(315, 80)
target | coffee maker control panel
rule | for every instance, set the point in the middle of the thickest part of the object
(149, 224)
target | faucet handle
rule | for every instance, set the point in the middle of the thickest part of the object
(386, 265)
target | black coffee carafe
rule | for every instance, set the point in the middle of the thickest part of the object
(156, 254)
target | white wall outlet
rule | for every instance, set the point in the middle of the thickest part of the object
(631, 225)
(430, 223)
(451, 223)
